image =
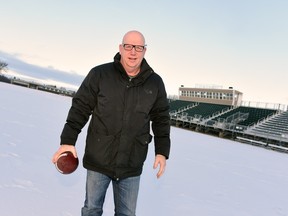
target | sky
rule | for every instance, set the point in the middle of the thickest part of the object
(205, 175)
(228, 43)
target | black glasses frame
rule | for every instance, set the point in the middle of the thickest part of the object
(138, 48)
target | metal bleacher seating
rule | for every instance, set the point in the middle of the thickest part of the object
(274, 126)
(260, 126)
(254, 114)
(206, 110)
(179, 105)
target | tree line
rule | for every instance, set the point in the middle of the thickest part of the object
(3, 66)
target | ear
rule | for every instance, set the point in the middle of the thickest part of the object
(120, 48)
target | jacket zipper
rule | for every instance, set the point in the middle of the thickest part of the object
(128, 85)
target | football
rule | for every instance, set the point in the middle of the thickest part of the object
(66, 163)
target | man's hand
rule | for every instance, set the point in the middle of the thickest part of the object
(160, 160)
(62, 149)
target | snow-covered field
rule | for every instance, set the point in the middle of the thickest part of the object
(205, 176)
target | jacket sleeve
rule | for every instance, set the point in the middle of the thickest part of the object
(83, 104)
(161, 122)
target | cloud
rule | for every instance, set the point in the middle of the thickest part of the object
(43, 73)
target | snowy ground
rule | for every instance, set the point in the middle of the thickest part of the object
(205, 176)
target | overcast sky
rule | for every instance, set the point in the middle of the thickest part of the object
(242, 44)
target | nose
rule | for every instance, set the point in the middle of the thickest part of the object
(133, 51)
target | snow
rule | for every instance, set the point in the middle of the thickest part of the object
(205, 175)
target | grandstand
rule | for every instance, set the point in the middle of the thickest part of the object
(254, 115)
(179, 105)
(38, 86)
(234, 119)
(275, 126)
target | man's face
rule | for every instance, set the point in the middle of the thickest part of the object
(132, 52)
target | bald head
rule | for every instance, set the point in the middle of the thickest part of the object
(134, 37)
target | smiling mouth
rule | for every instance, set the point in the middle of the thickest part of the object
(132, 59)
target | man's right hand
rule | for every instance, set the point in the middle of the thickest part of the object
(62, 149)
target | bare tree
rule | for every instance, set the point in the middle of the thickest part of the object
(3, 66)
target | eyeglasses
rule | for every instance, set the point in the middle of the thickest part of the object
(129, 47)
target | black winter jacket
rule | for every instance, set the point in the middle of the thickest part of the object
(121, 108)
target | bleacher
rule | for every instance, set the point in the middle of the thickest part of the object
(274, 126)
(180, 105)
(177, 104)
(258, 125)
(254, 114)
(206, 110)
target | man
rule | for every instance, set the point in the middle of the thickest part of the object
(123, 97)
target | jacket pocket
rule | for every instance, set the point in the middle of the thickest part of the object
(139, 150)
(98, 149)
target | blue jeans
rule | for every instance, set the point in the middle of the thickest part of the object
(125, 194)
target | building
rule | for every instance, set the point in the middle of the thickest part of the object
(211, 94)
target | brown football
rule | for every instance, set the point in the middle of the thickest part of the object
(66, 163)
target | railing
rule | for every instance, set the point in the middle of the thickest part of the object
(264, 105)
